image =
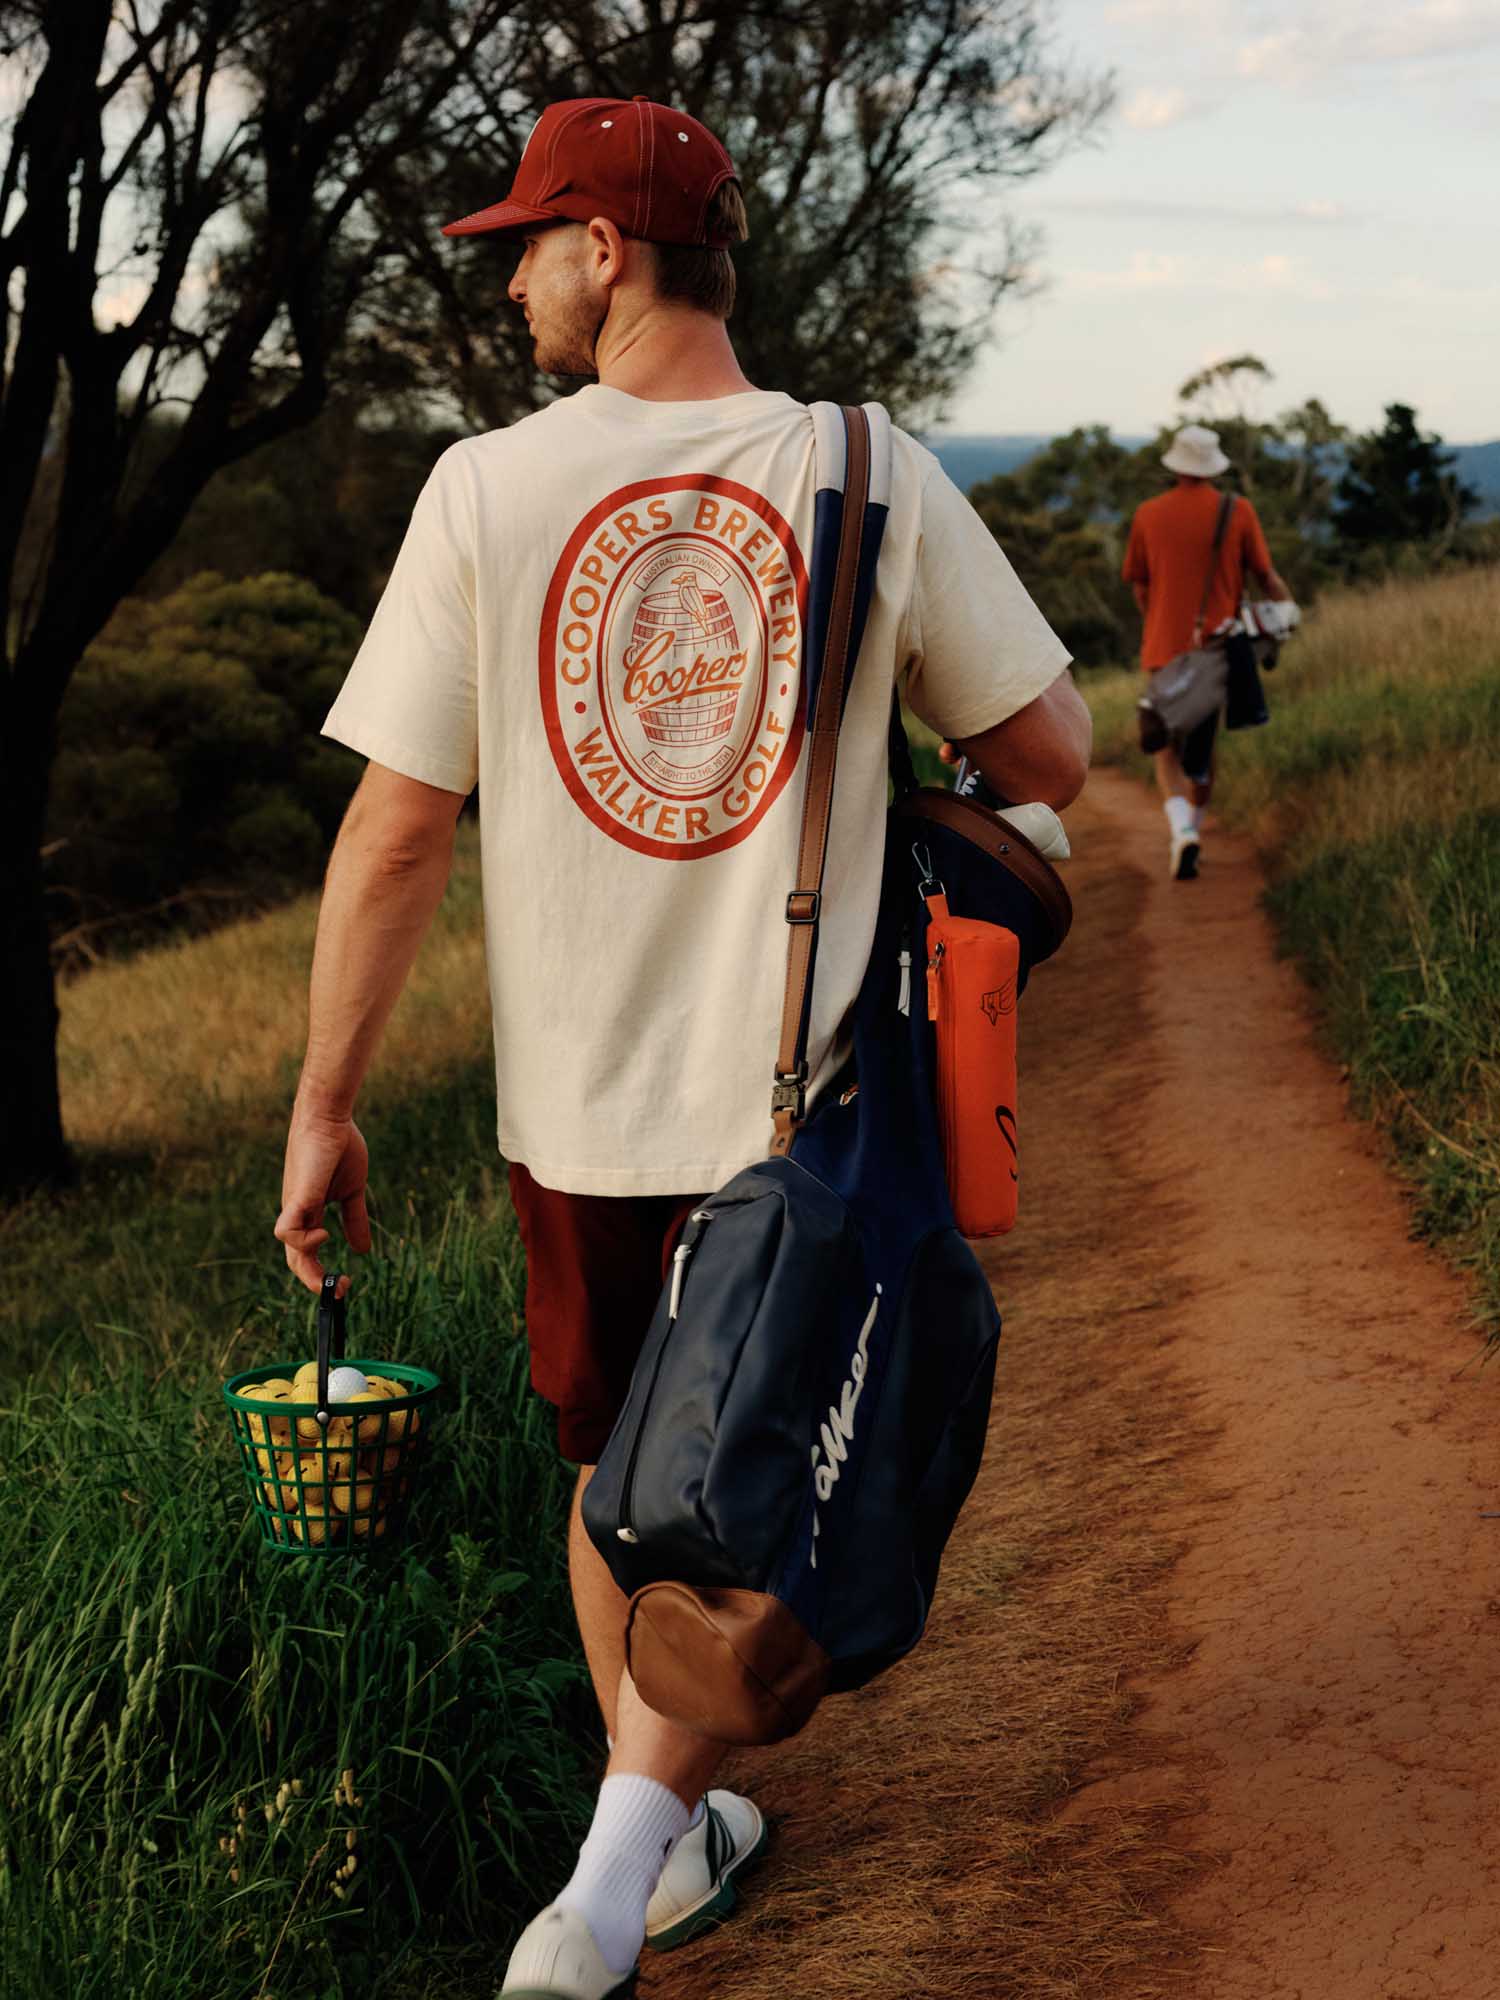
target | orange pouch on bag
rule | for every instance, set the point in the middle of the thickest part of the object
(972, 974)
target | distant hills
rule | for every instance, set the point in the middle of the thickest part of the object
(967, 459)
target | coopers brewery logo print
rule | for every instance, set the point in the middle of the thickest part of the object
(670, 663)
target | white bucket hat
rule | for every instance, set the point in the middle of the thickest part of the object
(1195, 451)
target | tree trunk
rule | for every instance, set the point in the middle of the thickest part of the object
(33, 1152)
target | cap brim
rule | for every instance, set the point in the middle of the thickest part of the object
(506, 218)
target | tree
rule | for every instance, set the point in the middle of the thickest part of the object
(230, 208)
(1226, 390)
(1226, 396)
(1400, 486)
(1313, 445)
(1061, 519)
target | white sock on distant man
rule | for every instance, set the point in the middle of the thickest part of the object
(1182, 816)
(637, 1823)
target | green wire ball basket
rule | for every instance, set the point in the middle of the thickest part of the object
(324, 1478)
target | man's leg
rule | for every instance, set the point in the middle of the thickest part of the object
(594, 1267)
(1176, 790)
(1171, 780)
(642, 1741)
(656, 1777)
(599, 1605)
(1200, 789)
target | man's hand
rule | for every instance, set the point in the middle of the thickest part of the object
(326, 1161)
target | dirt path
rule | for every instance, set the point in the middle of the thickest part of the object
(1207, 1706)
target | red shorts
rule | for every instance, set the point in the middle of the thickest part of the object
(595, 1266)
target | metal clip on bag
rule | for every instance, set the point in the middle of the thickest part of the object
(809, 1409)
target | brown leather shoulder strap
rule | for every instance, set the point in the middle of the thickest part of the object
(804, 905)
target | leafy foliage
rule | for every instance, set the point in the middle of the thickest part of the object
(1400, 486)
(191, 759)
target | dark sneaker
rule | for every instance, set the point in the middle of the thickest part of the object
(1184, 856)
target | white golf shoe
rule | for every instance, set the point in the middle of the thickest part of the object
(696, 1890)
(556, 1959)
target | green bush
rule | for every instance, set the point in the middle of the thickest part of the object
(190, 758)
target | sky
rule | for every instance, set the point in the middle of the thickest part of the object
(1313, 181)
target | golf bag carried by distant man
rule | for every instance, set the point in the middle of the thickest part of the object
(602, 617)
(1192, 554)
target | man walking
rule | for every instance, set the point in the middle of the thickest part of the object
(597, 617)
(1169, 558)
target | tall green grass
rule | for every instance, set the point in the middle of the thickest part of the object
(178, 1706)
(1374, 796)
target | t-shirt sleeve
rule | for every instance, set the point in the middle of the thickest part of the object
(978, 648)
(1253, 551)
(1136, 567)
(410, 700)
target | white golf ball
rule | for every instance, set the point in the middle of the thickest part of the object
(344, 1383)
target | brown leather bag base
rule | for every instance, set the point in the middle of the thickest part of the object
(734, 1665)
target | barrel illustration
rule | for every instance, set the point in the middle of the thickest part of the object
(702, 628)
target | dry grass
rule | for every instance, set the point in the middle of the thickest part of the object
(173, 1050)
(1377, 677)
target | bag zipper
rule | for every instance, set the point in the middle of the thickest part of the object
(937, 1004)
(625, 1532)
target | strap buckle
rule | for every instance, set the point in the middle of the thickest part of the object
(789, 1092)
(804, 906)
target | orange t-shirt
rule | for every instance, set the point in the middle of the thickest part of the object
(1170, 541)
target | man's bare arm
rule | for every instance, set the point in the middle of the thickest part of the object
(1039, 753)
(1272, 585)
(1142, 596)
(385, 879)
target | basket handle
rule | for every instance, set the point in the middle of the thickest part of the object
(333, 1316)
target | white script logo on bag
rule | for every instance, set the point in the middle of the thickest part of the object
(838, 1431)
(670, 663)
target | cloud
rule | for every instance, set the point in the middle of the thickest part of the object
(1273, 55)
(1289, 44)
(1151, 110)
(1388, 33)
(1213, 214)
(1174, 271)
(1147, 271)
(1167, 13)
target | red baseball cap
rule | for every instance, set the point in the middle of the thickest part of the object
(648, 169)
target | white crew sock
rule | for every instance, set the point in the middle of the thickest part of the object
(637, 1823)
(1197, 819)
(1179, 814)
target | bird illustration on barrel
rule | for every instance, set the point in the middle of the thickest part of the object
(692, 599)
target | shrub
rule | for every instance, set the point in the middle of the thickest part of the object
(190, 765)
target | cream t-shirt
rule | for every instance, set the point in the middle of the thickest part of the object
(596, 617)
